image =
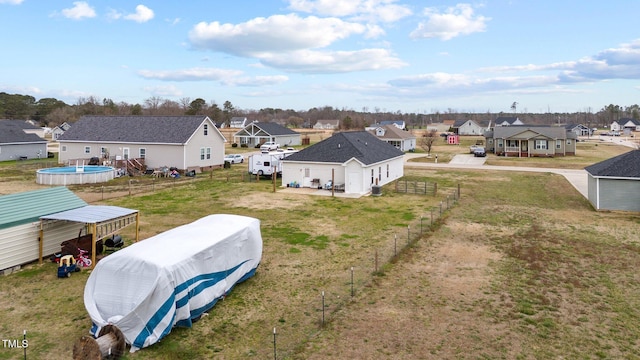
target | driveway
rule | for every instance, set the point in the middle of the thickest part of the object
(577, 178)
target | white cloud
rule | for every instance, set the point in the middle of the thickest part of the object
(193, 74)
(163, 91)
(455, 21)
(264, 80)
(11, 2)
(80, 10)
(142, 14)
(274, 34)
(371, 10)
(318, 62)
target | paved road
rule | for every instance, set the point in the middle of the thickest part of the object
(577, 178)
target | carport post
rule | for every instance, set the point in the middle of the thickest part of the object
(41, 241)
(94, 230)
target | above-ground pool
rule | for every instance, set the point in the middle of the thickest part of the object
(68, 175)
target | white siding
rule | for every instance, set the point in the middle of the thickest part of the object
(20, 245)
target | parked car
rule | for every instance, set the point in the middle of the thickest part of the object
(234, 158)
(479, 152)
(269, 146)
(473, 148)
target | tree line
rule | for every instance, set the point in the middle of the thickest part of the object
(51, 112)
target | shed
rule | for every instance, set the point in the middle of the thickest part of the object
(614, 184)
(32, 224)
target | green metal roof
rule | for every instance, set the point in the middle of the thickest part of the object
(26, 207)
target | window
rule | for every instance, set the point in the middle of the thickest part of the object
(208, 153)
(143, 153)
(64, 148)
(379, 173)
(201, 153)
(87, 149)
(387, 170)
(541, 145)
(206, 129)
(558, 144)
(372, 176)
(499, 143)
(104, 151)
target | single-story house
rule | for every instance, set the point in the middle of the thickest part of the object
(184, 142)
(614, 184)
(508, 121)
(258, 133)
(238, 122)
(531, 141)
(579, 129)
(33, 224)
(327, 124)
(626, 124)
(59, 130)
(28, 127)
(468, 127)
(16, 144)
(358, 160)
(400, 139)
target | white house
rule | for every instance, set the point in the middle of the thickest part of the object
(508, 121)
(358, 159)
(184, 142)
(468, 127)
(327, 124)
(59, 130)
(258, 133)
(400, 139)
(626, 124)
(238, 122)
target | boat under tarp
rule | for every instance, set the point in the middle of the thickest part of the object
(172, 278)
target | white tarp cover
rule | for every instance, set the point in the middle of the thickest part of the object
(172, 278)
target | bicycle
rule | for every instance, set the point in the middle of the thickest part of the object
(82, 259)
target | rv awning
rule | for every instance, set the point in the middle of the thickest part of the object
(91, 214)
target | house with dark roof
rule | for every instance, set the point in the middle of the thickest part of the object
(357, 159)
(238, 122)
(531, 141)
(614, 184)
(400, 139)
(508, 121)
(579, 129)
(184, 142)
(59, 130)
(257, 133)
(467, 127)
(625, 124)
(16, 144)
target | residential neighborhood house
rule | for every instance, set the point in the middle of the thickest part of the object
(579, 129)
(468, 127)
(183, 142)
(358, 160)
(626, 124)
(400, 139)
(59, 130)
(238, 122)
(16, 144)
(508, 121)
(257, 133)
(614, 184)
(531, 141)
(327, 124)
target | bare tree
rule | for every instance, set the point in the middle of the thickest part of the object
(428, 139)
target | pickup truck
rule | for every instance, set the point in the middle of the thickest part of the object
(269, 146)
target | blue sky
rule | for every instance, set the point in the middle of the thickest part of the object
(386, 55)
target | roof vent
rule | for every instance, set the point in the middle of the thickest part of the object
(338, 145)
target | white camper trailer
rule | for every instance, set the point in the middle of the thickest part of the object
(267, 163)
(172, 278)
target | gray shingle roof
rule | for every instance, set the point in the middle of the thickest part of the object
(625, 165)
(11, 132)
(274, 129)
(134, 129)
(343, 146)
(554, 132)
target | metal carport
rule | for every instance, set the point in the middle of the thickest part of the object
(101, 220)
